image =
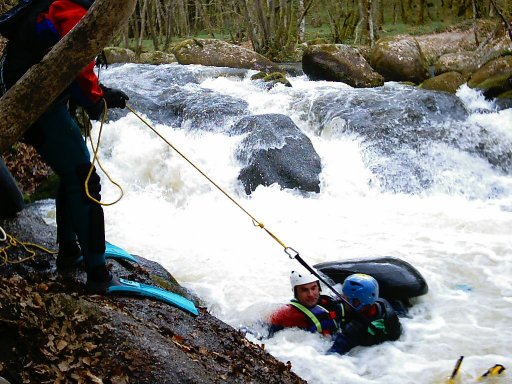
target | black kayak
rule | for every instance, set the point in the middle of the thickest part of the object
(11, 198)
(398, 280)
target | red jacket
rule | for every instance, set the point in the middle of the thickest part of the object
(290, 316)
(61, 17)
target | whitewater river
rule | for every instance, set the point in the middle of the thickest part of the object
(444, 206)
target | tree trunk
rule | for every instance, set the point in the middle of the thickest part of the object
(475, 23)
(371, 31)
(421, 12)
(143, 11)
(302, 21)
(22, 105)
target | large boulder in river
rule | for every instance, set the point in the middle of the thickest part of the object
(399, 58)
(218, 53)
(436, 45)
(465, 62)
(339, 62)
(157, 57)
(494, 78)
(119, 55)
(276, 151)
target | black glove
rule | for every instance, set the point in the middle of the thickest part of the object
(114, 97)
(96, 111)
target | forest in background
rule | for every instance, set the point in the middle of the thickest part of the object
(275, 27)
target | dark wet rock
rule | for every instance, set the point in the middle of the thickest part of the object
(276, 151)
(52, 331)
(160, 94)
(205, 110)
(399, 58)
(396, 125)
(292, 69)
(339, 62)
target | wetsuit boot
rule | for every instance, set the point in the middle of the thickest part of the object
(99, 279)
(69, 256)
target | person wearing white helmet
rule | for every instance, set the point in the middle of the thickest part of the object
(362, 319)
(308, 310)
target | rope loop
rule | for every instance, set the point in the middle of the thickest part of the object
(95, 149)
(4, 235)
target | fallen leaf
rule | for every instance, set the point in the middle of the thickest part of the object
(86, 360)
(63, 366)
(95, 379)
(61, 345)
(88, 346)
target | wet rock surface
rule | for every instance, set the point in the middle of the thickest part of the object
(52, 331)
(276, 151)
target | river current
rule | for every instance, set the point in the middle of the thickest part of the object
(441, 201)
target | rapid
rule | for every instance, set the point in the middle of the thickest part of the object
(443, 204)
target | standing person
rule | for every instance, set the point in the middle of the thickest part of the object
(311, 311)
(58, 139)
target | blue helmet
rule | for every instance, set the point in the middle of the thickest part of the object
(361, 290)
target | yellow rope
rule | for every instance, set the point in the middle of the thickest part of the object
(96, 160)
(254, 221)
(12, 242)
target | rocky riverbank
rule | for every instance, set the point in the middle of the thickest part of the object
(53, 332)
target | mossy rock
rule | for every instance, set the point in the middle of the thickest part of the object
(399, 58)
(157, 57)
(447, 82)
(498, 67)
(119, 55)
(465, 62)
(339, 62)
(272, 78)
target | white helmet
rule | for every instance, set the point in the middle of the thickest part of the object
(301, 278)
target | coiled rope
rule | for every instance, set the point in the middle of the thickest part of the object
(27, 247)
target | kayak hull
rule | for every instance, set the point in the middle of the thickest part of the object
(398, 280)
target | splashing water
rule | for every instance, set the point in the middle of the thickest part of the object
(457, 232)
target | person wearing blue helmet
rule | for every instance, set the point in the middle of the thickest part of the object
(362, 319)
(375, 321)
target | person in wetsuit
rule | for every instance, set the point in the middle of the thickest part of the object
(57, 137)
(311, 311)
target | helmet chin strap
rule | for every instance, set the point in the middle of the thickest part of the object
(293, 254)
